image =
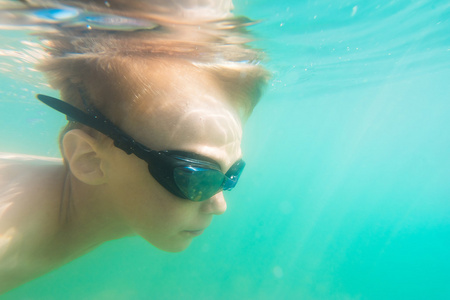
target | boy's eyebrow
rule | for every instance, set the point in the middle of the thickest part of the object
(221, 160)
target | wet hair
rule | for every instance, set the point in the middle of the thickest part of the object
(111, 67)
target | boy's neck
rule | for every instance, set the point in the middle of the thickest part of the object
(87, 220)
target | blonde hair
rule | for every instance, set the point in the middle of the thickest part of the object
(107, 65)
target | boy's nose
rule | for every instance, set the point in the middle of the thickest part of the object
(215, 205)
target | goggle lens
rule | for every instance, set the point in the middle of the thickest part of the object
(198, 184)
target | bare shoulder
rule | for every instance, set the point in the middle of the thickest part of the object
(14, 167)
(26, 158)
(28, 212)
(28, 185)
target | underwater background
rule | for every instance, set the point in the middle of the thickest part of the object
(346, 193)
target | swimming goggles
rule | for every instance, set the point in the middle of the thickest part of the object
(185, 174)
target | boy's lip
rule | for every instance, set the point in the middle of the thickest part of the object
(195, 232)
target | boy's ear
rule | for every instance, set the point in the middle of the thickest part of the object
(80, 150)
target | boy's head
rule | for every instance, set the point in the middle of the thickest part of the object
(167, 94)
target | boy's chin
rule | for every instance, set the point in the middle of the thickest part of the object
(173, 247)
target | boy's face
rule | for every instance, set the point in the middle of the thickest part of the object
(189, 113)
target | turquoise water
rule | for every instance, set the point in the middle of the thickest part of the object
(346, 193)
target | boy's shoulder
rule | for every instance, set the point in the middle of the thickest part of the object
(27, 217)
(6, 157)
(16, 167)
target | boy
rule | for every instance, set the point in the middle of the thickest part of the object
(154, 133)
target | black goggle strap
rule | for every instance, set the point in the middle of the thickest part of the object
(94, 120)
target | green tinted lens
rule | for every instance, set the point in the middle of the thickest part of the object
(198, 184)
